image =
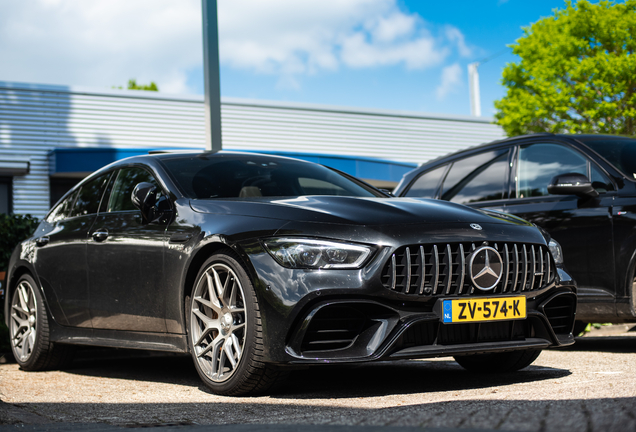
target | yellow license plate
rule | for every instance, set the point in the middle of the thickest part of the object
(483, 309)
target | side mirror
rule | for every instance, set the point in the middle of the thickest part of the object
(144, 197)
(572, 184)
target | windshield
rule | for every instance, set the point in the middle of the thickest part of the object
(251, 176)
(619, 151)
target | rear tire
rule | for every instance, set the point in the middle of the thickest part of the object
(29, 330)
(498, 362)
(225, 332)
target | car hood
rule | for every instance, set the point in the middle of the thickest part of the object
(352, 210)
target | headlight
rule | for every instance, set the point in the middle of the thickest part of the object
(316, 254)
(556, 251)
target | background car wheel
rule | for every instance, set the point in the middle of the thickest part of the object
(498, 362)
(225, 330)
(29, 330)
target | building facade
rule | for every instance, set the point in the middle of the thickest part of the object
(52, 136)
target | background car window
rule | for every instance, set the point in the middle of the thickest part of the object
(90, 194)
(539, 163)
(63, 209)
(600, 181)
(477, 178)
(619, 151)
(126, 181)
(426, 185)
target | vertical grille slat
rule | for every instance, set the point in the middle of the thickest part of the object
(449, 268)
(393, 272)
(506, 268)
(435, 269)
(407, 281)
(515, 270)
(441, 269)
(541, 268)
(533, 268)
(422, 261)
(462, 269)
(524, 268)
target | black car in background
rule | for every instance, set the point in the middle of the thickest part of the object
(252, 263)
(580, 188)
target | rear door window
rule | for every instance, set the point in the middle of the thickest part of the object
(427, 184)
(481, 177)
(89, 196)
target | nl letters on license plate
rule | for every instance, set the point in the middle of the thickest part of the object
(483, 309)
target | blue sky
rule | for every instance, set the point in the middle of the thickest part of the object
(488, 27)
(385, 54)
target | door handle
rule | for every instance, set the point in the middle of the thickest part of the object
(100, 235)
(42, 241)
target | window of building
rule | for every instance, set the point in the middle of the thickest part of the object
(6, 186)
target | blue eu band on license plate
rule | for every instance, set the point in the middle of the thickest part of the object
(483, 309)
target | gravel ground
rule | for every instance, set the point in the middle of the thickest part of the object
(589, 387)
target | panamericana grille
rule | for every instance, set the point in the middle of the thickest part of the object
(441, 269)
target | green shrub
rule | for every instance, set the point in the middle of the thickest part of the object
(13, 229)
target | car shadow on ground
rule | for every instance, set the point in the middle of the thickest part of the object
(373, 379)
(402, 377)
(610, 344)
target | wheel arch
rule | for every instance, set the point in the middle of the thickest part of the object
(14, 276)
(206, 252)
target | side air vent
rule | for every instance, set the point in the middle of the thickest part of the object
(560, 312)
(333, 328)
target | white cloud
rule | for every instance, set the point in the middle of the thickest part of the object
(106, 42)
(100, 43)
(302, 37)
(451, 80)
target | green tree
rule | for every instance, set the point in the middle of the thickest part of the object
(577, 72)
(132, 85)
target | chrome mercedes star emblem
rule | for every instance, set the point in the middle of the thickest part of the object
(485, 268)
(476, 226)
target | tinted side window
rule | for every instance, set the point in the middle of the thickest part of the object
(539, 163)
(63, 209)
(127, 179)
(426, 185)
(477, 178)
(600, 181)
(90, 195)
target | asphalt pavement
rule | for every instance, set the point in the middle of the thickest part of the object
(588, 387)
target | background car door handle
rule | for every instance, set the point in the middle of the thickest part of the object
(100, 235)
(42, 241)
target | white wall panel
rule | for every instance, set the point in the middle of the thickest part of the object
(35, 119)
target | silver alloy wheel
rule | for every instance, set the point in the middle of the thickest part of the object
(24, 321)
(218, 322)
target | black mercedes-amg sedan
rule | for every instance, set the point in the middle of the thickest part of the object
(256, 264)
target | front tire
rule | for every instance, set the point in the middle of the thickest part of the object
(498, 362)
(225, 329)
(29, 330)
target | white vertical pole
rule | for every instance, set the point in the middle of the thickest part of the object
(211, 76)
(473, 84)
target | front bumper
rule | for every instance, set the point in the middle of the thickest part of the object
(348, 316)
